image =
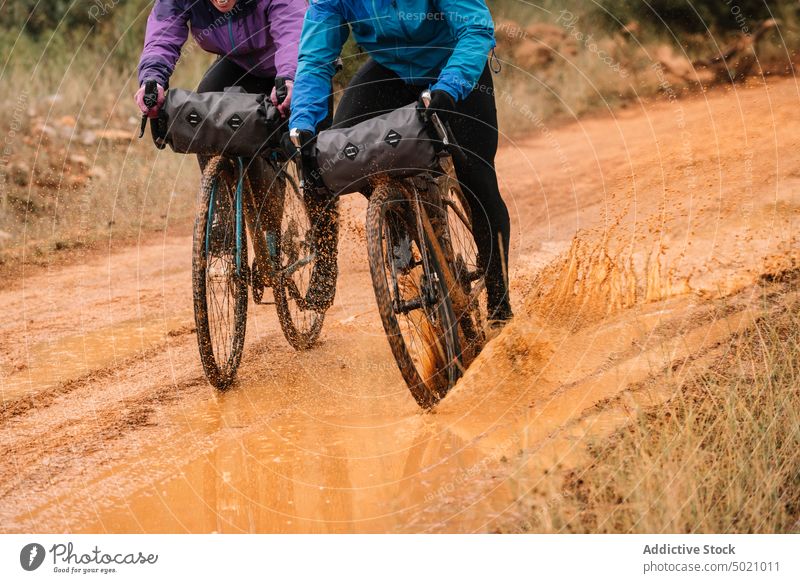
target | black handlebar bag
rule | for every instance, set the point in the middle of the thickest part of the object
(397, 144)
(231, 123)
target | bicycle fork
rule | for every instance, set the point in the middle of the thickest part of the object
(239, 229)
(457, 295)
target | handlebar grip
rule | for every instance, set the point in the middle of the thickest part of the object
(150, 99)
(150, 94)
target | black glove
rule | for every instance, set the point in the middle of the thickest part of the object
(442, 103)
(281, 90)
(308, 155)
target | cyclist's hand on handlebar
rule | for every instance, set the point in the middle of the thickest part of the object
(441, 103)
(281, 96)
(149, 104)
(304, 142)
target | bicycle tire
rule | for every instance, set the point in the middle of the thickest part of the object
(220, 359)
(301, 326)
(467, 270)
(389, 205)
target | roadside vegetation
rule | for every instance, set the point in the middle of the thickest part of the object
(73, 176)
(722, 456)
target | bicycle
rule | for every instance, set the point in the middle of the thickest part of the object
(428, 283)
(231, 224)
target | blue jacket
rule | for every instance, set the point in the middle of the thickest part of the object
(444, 41)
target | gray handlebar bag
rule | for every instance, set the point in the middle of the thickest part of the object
(231, 122)
(397, 144)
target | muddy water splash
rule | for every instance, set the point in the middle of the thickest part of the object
(596, 279)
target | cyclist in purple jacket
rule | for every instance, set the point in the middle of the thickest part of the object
(256, 41)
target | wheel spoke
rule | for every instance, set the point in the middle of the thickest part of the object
(220, 294)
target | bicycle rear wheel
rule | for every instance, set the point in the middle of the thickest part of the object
(296, 254)
(412, 296)
(219, 275)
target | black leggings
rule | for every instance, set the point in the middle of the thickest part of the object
(375, 89)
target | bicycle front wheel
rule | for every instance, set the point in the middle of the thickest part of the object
(412, 296)
(219, 274)
(467, 269)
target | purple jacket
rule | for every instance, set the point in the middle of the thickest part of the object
(261, 36)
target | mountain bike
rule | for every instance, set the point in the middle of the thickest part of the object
(425, 273)
(276, 229)
(234, 220)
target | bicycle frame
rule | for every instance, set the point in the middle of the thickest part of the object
(248, 218)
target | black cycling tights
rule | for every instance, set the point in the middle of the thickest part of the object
(375, 89)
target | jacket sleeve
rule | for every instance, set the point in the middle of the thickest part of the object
(324, 34)
(167, 31)
(285, 19)
(473, 30)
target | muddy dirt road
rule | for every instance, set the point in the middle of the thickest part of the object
(636, 240)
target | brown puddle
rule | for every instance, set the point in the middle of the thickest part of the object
(241, 464)
(54, 362)
(289, 479)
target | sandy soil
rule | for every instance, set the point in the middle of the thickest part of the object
(637, 238)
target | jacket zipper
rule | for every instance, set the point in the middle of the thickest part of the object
(249, 42)
(230, 36)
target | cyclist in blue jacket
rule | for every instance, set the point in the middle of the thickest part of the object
(415, 45)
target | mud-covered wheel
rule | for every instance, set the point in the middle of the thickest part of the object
(467, 271)
(219, 277)
(412, 297)
(296, 254)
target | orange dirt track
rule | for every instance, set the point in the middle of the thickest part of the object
(631, 233)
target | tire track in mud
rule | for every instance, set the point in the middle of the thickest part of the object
(330, 440)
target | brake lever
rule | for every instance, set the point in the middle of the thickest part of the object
(150, 100)
(450, 146)
(440, 129)
(294, 137)
(143, 126)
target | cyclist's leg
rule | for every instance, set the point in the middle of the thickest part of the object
(373, 90)
(223, 74)
(475, 129)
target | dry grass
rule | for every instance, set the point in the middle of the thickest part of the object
(58, 192)
(723, 456)
(61, 188)
(564, 59)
